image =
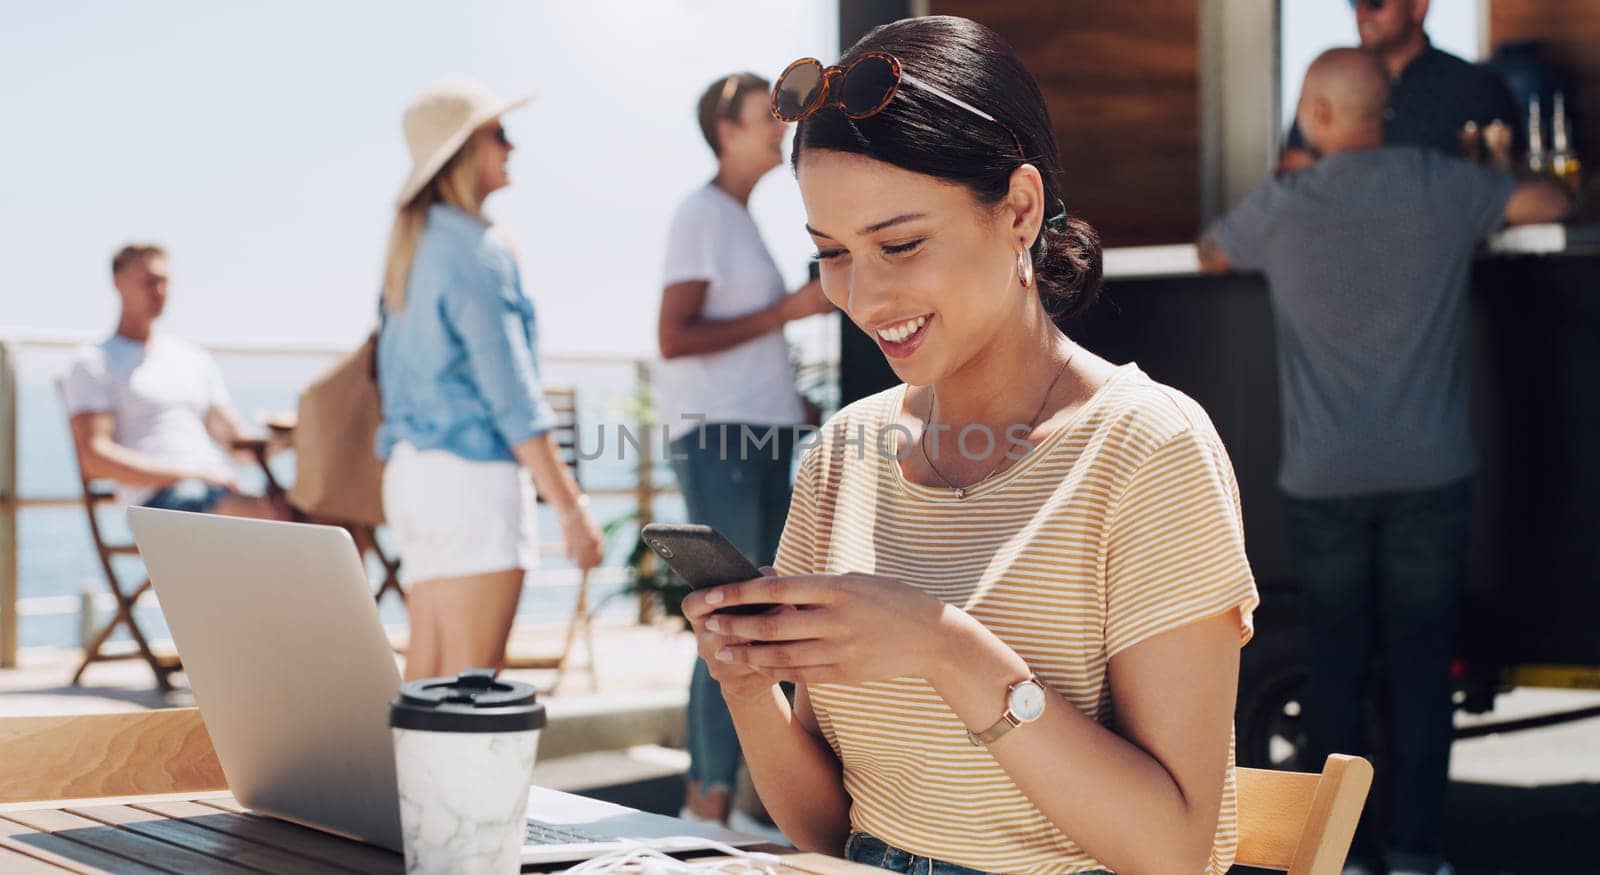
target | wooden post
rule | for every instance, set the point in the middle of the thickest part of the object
(9, 503)
(645, 489)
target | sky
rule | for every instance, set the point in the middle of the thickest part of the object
(261, 144)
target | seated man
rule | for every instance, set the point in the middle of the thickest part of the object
(150, 411)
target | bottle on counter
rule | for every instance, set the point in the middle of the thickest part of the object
(1537, 160)
(1564, 164)
(1471, 139)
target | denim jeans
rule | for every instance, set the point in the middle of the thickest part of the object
(747, 500)
(193, 496)
(868, 851)
(1386, 572)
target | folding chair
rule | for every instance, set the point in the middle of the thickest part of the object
(366, 538)
(1298, 822)
(88, 756)
(95, 495)
(564, 401)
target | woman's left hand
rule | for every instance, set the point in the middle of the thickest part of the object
(844, 628)
(585, 547)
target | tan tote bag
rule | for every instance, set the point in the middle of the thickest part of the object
(338, 476)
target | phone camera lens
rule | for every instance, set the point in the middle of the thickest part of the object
(663, 549)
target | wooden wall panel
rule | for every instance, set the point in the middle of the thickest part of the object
(1570, 30)
(1122, 84)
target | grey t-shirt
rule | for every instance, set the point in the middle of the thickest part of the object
(1368, 256)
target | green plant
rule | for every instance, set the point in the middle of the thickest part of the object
(646, 575)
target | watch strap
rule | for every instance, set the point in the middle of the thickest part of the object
(1008, 720)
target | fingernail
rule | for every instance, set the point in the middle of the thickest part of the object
(713, 625)
(725, 655)
(714, 597)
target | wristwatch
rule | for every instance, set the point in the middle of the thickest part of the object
(1024, 704)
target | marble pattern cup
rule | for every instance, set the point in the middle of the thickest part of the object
(464, 750)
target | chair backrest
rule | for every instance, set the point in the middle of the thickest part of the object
(88, 756)
(94, 494)
(564, 401)
(1299, 822)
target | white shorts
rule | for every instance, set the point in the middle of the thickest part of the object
(451, 517)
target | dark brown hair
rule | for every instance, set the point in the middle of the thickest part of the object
(922, 133)
(721, 101)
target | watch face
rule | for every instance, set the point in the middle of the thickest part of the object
(1027, 701)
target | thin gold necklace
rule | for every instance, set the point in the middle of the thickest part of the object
(933, 397)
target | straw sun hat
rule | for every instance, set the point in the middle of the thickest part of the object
(441, 119)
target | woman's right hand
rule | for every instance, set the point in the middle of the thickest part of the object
(738, 680)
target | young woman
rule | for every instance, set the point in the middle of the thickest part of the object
(1013, 589)
(462, 409)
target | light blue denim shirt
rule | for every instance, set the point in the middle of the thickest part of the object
(458, 367)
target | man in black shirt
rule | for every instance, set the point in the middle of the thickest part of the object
(1432, 92)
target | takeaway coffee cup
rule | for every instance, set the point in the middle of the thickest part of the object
(463, 755)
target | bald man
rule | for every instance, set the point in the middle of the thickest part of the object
(1435, 92)
(1367, 255)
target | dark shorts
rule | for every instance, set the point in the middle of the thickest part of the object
(193, 496)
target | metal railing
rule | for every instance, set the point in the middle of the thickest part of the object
(12, 502)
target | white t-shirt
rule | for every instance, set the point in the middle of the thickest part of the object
(714, 239)
(158, 393)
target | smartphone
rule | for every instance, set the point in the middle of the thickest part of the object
(703, 558)
(814, 269)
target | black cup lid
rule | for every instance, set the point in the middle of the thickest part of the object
(474, 701)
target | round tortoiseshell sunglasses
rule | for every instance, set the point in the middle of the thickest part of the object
(861, 90)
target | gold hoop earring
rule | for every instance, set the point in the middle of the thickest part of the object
(1025, 268)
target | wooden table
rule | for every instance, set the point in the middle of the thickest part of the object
(280, 437)
(261, 449)
(210, 832)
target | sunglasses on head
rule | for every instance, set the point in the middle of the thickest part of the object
(861, 90)
(1372, 5)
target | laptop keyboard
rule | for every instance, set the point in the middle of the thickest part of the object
(549, 834)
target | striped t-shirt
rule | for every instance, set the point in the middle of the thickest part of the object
(1121, 525)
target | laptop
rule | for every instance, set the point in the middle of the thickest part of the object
(293, 673)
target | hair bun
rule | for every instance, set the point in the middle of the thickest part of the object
(1069, 272)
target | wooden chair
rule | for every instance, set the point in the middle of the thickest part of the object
(1299, 822)
(87, 756)
(564, 401)
(366, 538)
(94, 649)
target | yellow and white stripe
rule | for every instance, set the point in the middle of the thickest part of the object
(1121, 525)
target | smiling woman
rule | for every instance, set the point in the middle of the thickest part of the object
(1013, 654)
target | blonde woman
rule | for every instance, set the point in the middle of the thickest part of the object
(463, 413)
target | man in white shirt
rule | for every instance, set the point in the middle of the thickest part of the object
(726, 390)
(150, 411)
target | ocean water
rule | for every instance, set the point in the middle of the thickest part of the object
(56, 557)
